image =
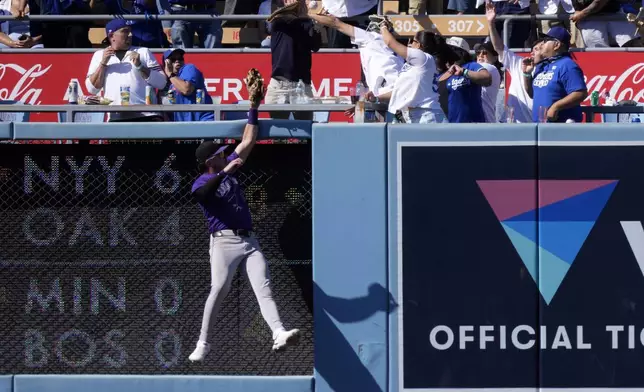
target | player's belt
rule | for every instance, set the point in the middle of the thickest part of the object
(229, 232)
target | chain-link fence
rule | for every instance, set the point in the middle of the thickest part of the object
(104, 261)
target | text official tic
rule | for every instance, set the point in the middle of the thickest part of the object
(527, 337)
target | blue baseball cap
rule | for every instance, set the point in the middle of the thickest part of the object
(116, 24)
(169, 53)
(559, 33)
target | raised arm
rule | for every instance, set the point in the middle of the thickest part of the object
(96, 74)
(249, 137)
(256, 91)
(495, 37)
(333, 22)
(391, 42)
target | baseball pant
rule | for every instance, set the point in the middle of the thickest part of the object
(280, 92)
(422, 7)
(575, 34)
(602, 34)
(227, 253)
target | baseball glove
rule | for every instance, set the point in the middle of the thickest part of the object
(290, 11)
(255, 86)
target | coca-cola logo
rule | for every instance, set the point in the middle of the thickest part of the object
(623, 87)
(21, 90)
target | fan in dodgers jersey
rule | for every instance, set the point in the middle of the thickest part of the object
(465, 79)
(415, 91)
(379, 63)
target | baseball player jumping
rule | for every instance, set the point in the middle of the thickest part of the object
(232, 242)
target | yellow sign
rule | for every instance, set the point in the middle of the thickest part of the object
(448, 25)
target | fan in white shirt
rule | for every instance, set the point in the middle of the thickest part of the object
(121, 65)
(348, 8)
(379, 63)
(518, 99)
(489, 59)
(415, 92)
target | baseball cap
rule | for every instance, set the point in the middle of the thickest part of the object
(487, 46)
(169, 53)
(116, 24)
(458, 42)
(559, 33)
(208, 149)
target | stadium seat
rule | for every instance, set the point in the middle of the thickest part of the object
(13, 116)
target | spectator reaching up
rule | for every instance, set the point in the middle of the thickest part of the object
(344, 10)
(293, 39)
(519, 102)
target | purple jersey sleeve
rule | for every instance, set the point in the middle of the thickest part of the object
(232, 156)
(201, 181)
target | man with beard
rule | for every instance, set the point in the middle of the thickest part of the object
(555, 82)
(123, 72)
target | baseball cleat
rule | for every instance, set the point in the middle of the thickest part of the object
(200, 352)
(285, 339)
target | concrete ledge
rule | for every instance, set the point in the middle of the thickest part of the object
(187, 130)
(111, 383)
(6, 383)
(580, 133)
(466, 134)
(5, 130)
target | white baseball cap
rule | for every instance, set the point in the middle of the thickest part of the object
(458, 42)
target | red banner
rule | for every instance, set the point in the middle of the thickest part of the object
(43, 78)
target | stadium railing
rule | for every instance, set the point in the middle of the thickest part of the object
(404, 25)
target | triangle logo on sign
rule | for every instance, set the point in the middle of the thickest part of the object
(547, 222)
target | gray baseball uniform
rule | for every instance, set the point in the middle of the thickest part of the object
(232, 244)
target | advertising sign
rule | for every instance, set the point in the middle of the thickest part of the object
(39, 79)
(105, 269)
(520, 266)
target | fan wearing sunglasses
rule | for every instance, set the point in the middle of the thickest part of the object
(415, 92)
(465, 79)
(488, 58)
(379, 63)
